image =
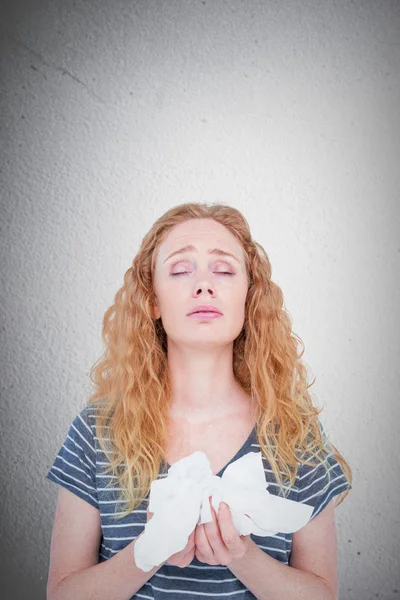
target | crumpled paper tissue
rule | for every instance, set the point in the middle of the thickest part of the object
(180, 501)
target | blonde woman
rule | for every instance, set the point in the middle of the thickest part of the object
(199, 355)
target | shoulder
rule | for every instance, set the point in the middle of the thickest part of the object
(83, 426)
(75, 464)
(323, 478)
(87, 417)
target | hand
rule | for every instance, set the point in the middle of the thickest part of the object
(185, 556)
(218, 542)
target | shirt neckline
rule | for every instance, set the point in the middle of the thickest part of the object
(241, 450)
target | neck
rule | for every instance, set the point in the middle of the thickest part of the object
(203, 384)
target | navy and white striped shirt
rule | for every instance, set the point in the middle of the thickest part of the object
(79, 466)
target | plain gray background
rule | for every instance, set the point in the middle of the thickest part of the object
(111, 113)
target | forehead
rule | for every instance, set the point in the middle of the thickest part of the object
(205, 234)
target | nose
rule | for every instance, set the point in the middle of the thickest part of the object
(203, 284)
(199, 290)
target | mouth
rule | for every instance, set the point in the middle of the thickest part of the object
(204, 314)
(200, 312)
(205, 310)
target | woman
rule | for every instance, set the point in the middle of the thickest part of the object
(171, 382)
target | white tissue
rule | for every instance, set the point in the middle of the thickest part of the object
(180, 501)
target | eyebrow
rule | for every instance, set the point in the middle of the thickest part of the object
(191, 248)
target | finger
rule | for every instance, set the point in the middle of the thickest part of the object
(215, 539)
(231, 538)
(204, 551)
(191, 543)
(202, 558)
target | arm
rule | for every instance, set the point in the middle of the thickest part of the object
(74, 571)
(312, 572)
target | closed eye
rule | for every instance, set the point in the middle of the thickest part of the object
(217, 273)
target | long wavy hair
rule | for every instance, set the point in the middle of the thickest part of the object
(133, 387)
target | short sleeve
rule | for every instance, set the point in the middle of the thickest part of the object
(75, 465)
(317, 485)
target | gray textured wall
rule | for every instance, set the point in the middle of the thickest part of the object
(111, 112)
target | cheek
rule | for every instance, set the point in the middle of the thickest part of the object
(235, 297)
(236, 318)
(172, 312)
(166, 294)
(236, 313)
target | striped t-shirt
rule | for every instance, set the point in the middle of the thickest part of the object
(79, 466)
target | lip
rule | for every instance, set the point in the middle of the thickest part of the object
(203, 308)
(205, 316)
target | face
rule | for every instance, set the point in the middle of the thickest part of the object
(184, 280)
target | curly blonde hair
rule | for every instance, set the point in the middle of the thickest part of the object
(133, 387)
